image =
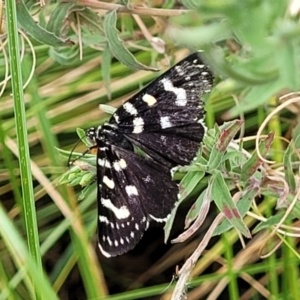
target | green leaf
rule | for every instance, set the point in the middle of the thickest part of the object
(199, 37)
(250, 167)
(86, 190)
(35, 281)
(107, 108)
(288, 167)
(194, 210)
(169, 223)
(296, 133)
(36, 31)
(58, 17)
(190, 4)
(189, 182)
(218, 150)
(243, 206)
(117, 47)
(288, 65)
(105, 70)
(225, 203)
(82, 135)
(272, 221)
(126, 3)
(28, 208)
(65, 55)
(187, 185)
(257, 96)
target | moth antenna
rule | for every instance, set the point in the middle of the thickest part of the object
(70, 162)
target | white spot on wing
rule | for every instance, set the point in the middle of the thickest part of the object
(119, 165)
(165, 122)
(117, 118)
(149, 99)
(120, 213)
(158, 219)
(104, 163)
(122, 163)
(146, 179)
(130, 108)
(179, 70)
(103, 219)
(103, 148)
(109, 182)
(131, 190)
(103, 252)
(109, 241)
(180, 93)
(138, 125)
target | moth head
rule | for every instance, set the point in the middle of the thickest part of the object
(91, 134)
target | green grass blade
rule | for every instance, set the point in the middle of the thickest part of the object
(34, 279)
(21, 129)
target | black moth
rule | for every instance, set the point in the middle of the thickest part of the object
(165, 121)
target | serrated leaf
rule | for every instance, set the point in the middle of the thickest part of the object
(116, 45)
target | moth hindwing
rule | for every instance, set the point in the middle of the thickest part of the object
(165, 121)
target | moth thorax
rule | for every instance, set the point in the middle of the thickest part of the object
(93, 133)
(118, 139)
